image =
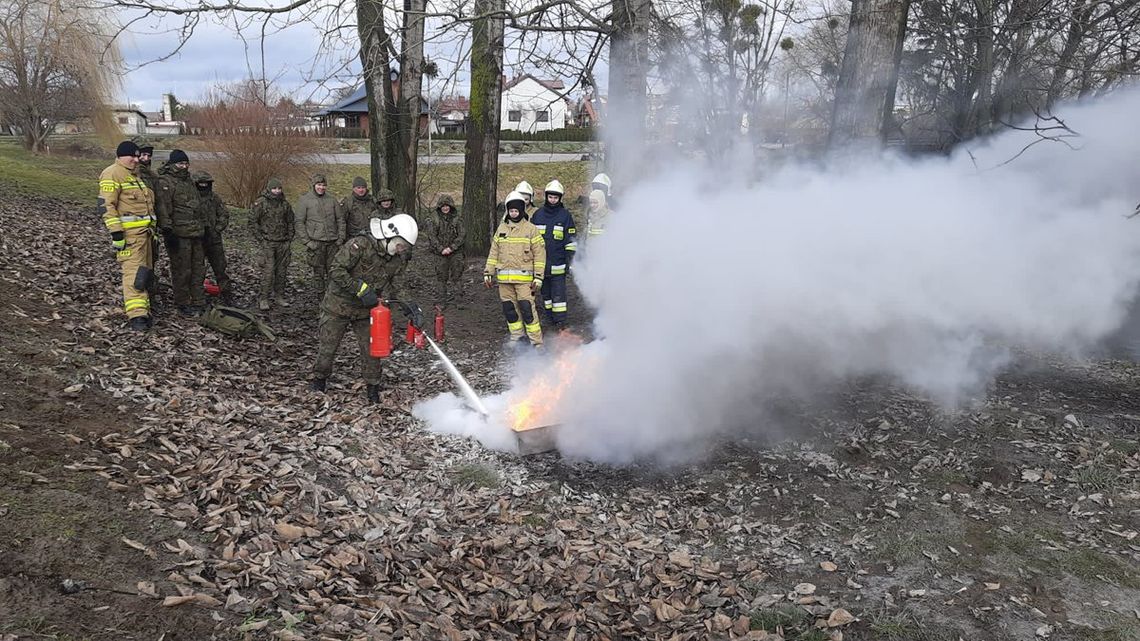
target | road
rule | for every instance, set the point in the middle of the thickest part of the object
(362, 159)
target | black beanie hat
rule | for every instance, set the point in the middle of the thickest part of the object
(177, 156)
(126, 148)
(147, 149)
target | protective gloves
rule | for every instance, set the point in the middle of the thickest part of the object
(118, 240)
(488, 279)
(367, 295)
(536, 285)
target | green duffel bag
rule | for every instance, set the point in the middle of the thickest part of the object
(235, 322)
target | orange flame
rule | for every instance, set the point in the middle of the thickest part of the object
(538, 402)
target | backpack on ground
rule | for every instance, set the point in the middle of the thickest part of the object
(235, 322)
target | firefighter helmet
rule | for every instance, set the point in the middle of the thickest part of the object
(400, 225)
(516, 199)
(525, 189)
(602, 179)
(554, 187)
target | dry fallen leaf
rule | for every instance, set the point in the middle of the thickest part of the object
(828, 566)
(805, 588)
(839, 617)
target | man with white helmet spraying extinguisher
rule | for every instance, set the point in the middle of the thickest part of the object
(366, 270)
(560, 236)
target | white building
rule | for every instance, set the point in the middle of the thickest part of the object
(531, 105)
(130, 119)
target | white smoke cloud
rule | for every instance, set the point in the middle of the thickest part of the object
(716, 296)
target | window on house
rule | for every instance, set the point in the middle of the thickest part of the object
(542, 116)
(123, 120)
(514, 115)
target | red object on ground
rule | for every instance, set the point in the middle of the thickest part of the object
(380, 339)
(211, 288)
(420, 342)
(410, 335)
(438, 325)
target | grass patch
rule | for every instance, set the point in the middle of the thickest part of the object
(61, 176)
(477, 474)
(904, 625)
(1091, 565)
(1096, 477)
(796, 624)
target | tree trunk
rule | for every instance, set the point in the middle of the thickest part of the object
(865, 93)
(1011, 93)
(411, 88)
(624, 123)
(1073, 39)
(481, 168)
(374, 43)
(982, 116)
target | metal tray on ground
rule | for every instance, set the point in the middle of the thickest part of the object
(537, 439)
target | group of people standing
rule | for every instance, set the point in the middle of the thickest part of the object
(138, 205)
(358, 248)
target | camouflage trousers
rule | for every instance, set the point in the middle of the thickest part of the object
(321, 253)
(274, 266)
(187, 271)
(216, 256)
(449, 272)
(331, 331)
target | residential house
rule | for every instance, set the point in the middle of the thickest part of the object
(131, 120)
(350, 114)
(449, 115)
(530, 104)
(590, 110)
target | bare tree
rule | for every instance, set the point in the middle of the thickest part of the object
(480, 175)
(53, 67)
(865, 93)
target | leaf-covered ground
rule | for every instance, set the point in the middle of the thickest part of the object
(188, 484)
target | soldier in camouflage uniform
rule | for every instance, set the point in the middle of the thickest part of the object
(359, 208)
(445, 241)
(183, 228)
(366, 270)
(320, 227)
(216, 218)
(272, 220)
(150, 179)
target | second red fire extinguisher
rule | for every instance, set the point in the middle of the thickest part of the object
(380, 338)
(438, 324)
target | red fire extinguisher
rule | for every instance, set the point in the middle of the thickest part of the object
(380, 339)
(438, 324)
(410, 335)
(211, 288)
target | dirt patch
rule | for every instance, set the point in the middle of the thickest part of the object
(65, 572)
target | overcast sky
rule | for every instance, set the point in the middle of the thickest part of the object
(216, 54)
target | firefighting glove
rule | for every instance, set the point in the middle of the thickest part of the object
(367, 295)
(118, 240)
(536, 284)
(487, 280)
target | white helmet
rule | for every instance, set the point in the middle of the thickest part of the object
(515, 196)
(554, 187)
(525, 189)
(602, 179)
(401, 225)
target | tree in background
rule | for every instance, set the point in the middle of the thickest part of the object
(242, 122)
(481, 169)
(55, 66)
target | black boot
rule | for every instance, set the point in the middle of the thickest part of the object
(317, 385)
(373, 392)
(140, 323)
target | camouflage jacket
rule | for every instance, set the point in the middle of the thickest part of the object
(362, 261)
(319, 218)
(215, 215)
(445, 230)
(272, 219)
(358, 211)
(178, 202)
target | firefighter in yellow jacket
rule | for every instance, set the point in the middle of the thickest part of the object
(517, 262)
(127, 207)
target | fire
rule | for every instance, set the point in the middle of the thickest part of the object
(538, 401)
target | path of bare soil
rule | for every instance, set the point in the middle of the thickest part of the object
(198, 478)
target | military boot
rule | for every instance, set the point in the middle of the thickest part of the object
(317, 385)
(373, 392)
(139, 324)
